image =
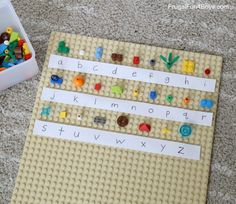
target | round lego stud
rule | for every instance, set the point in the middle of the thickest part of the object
(79, 81)
(9, 30)
(136, 92)
(207, 71)
(5, 36)
(165, 131)
(6, 42)
(169, 98)
(185, 130)
(186, 100)
(153, 95)
(81, 52)
(79, 117)
(152, 62)
(97, 86)
(6, 52)
(122, 121)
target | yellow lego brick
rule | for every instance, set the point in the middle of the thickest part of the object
(26, 49)
(60, 171)
(63, 114)
(165, 131)
(188, 66)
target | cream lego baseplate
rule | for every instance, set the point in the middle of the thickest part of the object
(117, 122)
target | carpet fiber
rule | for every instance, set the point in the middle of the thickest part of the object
(143, 21)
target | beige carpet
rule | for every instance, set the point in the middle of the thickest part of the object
(144, 21)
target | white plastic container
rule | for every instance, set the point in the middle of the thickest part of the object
(25, 70)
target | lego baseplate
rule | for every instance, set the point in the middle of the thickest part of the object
(78, 150)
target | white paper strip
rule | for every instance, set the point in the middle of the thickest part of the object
(118, 140)
(125, 106)
(132, 73)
